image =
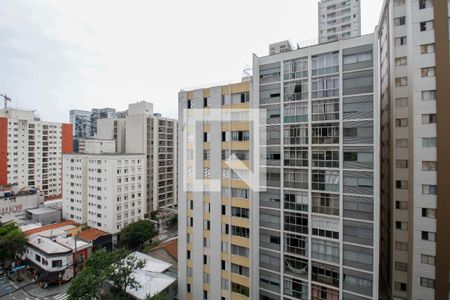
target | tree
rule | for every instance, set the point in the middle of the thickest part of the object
(87, 284)
(121, 274)
(136, 234)
(116, 266)
(12, 242)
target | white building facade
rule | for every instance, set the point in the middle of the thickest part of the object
(31, 151)
(104, 191)
(339, 19)
(318, 221)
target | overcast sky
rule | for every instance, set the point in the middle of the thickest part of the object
(61, 55)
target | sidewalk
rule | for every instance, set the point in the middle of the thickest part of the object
(35, 291)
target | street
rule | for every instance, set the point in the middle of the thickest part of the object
(30, 291)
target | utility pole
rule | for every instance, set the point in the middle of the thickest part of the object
(6, 99)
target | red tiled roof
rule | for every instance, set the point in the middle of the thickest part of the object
(91, 234)
(51, 226)
(171, 247)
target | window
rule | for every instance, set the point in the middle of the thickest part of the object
(401, 163)
(401, 225)
(241, 270)
(401, 205)
(239, 250)
(429, 119)
(296, 244)
(429, 166)
(429, 189)
(296, 222)
(325, 274)
(296, 201)
(296, 112)
(296, 178)
(427, 282)
(429, 213)
(426, 48)
(37, 258)
(401, 122)
(401, 81)
(428, 259)
(429, 236)
(425, 4)
(240, 212)
(325, 63)
(325, 157)
(429, 142)
(57, 263)
(296, 156)
(239, 193)
(325, 203)
(400, 286)
(401, 246)
(428, 72)
(401, 102)
(399, 2)
(357, 58)
(297, 68)
(325, 250)
(425, 26)
(400, 21)
(325, 110)
(325, 133)
(324, 87)
(428, 95)
(399, 266)
(296, 90)
(240, 231)
(325, 180)
(401, 143)
(240, 289)
(401, 184)
(401, 61)
(296, 134)
(400, 41)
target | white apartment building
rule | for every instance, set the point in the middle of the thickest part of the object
(104, 191)
(92, 145)
(316, 227)
(339, 19)
(155, 136)
(31, 151)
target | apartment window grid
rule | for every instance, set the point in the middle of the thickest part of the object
(324, 85)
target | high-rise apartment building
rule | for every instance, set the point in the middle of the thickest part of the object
(339, 19)
(313, 232)
(85, 122)
(318, 221)
(156, 137)
(31, 151)
(104, 191)
(414, 68)
(215, 226)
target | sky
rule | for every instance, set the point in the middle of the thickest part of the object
(82, 54)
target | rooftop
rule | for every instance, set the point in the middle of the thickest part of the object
(152, 278)
(41, 210)
(170, 246)
(91, 234)
(50, 227)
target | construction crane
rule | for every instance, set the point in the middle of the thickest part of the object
(6, 99)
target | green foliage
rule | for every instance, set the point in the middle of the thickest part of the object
(136, 234)
(12, 242)
(103, 266)
(121, 273)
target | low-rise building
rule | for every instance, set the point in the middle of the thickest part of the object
(14, 203)
(44, 215)
(156, 277)
(55, 253)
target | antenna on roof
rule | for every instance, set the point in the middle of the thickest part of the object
(6, 99)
